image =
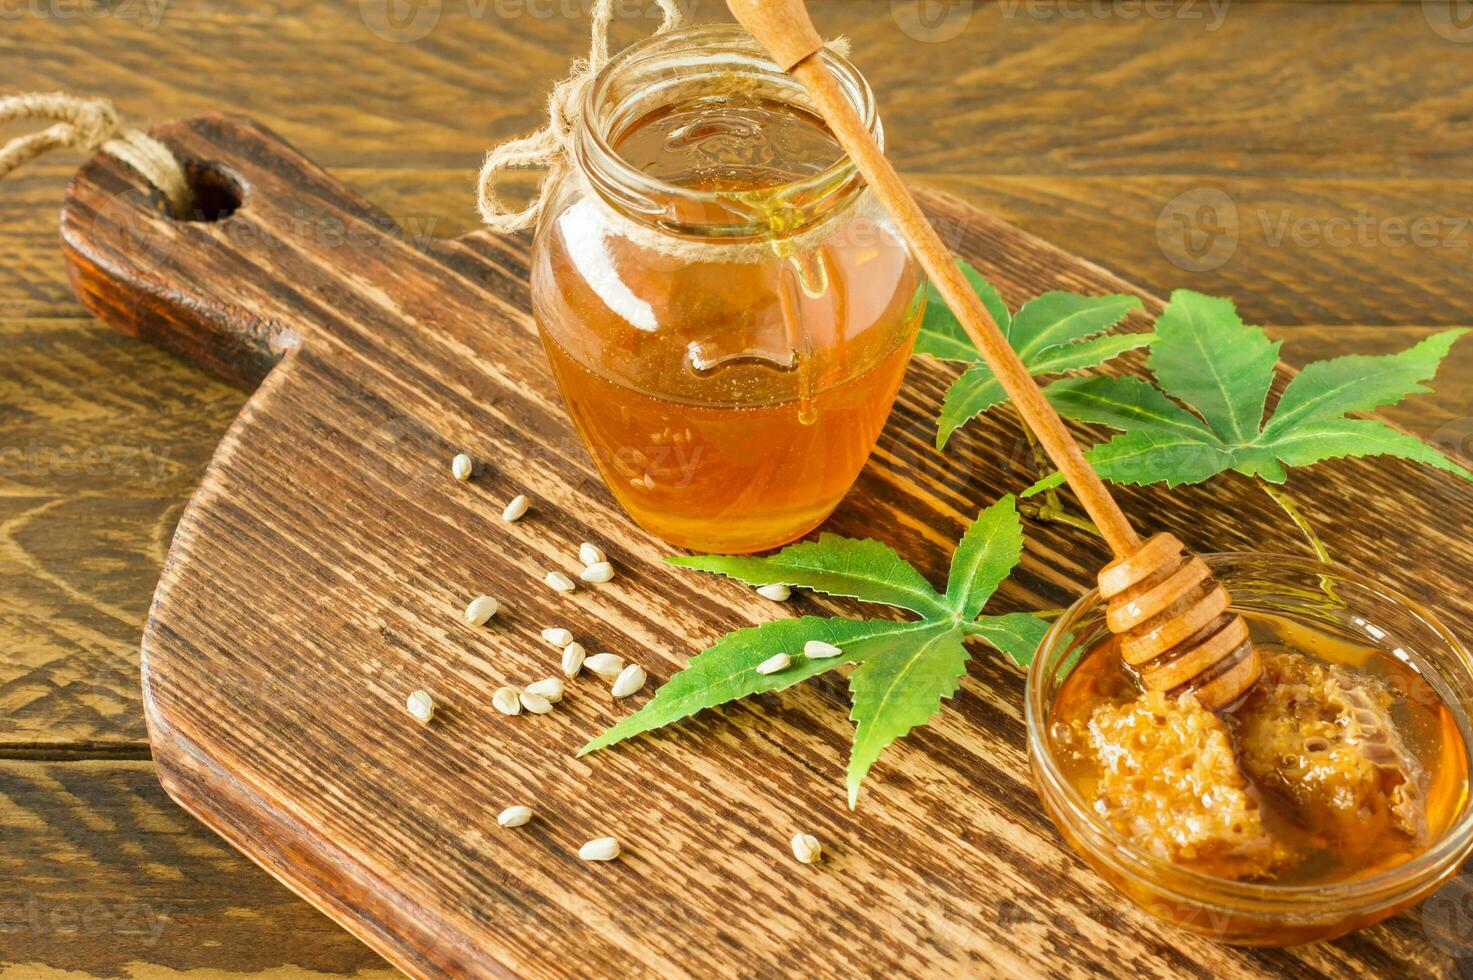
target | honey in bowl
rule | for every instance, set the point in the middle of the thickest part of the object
(727, 311)
(1332, 795)
(1342, 762)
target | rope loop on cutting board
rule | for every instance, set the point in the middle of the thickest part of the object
(90, 125)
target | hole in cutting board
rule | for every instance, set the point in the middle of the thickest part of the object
(217, 193)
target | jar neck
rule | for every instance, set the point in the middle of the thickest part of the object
(706, 63)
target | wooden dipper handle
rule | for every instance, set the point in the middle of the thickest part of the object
(784, 28)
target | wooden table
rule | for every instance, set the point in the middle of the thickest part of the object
(1326, 145)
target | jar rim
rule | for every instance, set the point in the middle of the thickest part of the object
(1195, 887)
(619, 183)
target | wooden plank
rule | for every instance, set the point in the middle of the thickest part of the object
(1296, 242)
(70, 684)
(206, 55)
(101, 873)
(1351, 251)
(1079, 126)
(278, 720)
(93, 475)
(1365, 88)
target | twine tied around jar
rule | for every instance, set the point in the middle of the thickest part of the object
(551, 147)
(92, 124)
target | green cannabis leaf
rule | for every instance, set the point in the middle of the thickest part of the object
(1053, 334)
(1206, 359)
(905, 669)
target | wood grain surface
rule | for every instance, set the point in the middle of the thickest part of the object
(319, 572)
(1326, 111)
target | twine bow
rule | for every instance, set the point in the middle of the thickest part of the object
(551, 147)
(91, 125)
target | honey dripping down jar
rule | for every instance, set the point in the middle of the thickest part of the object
(727, 310)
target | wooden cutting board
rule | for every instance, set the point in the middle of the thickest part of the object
(321, 568)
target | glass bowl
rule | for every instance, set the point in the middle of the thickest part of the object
(1329, 600)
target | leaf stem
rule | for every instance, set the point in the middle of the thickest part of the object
(1278, 497)
(1041, 468)
(1053, 508)
(1060, 515)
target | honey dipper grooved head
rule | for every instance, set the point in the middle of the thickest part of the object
(1175, 626)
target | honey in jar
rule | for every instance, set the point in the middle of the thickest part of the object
(727, 311)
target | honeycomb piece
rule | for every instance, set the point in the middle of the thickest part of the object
(1170, 782)
(1324, 739)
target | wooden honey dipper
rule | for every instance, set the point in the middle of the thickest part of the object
(1171, 615)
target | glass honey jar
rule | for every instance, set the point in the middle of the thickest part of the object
(727, 310)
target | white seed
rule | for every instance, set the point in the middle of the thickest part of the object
(590, 554)
(602, 849)
(573, 657)
(552, 689)
(480, 610)
(461, 467)
(774, 664)
(777, 593)
(421, 706)
(629, 681)
(819, 650)
(517, 509)
(602, 572)
(559, 581)
(807, 849)
(558, 637)
(605, 665)
(514, 816)
(535, 703)
(505, 700)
